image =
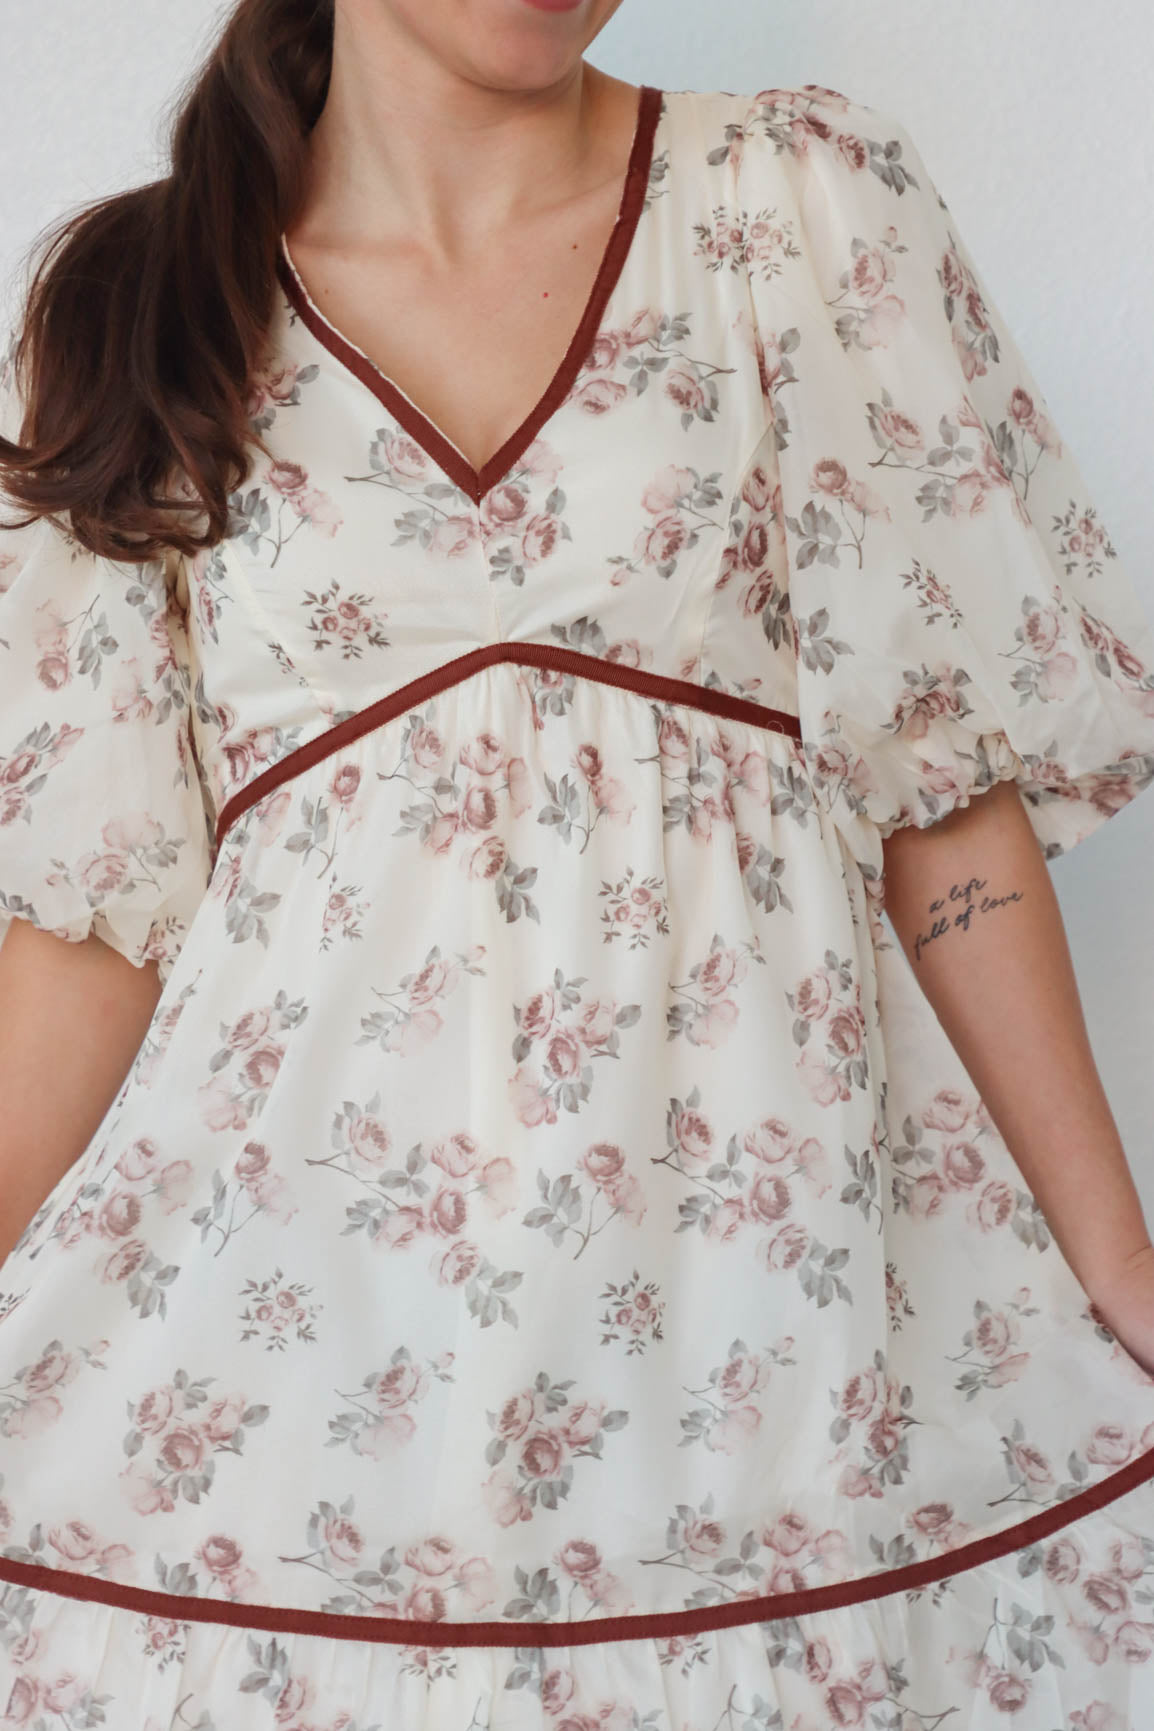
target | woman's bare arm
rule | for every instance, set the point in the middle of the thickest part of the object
(973, 905)
(72, 1017)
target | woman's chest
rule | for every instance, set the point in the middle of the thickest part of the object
(615, 501)
(363, 551)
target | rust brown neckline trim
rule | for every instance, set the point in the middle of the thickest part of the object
(652, 1626)
(452, 463)
(658, 685)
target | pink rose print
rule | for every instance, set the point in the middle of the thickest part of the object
(734, 1397)
(735, 240)
(383, 1419)
(1084, 544)
(871, 1431)
(246, 1066)
(1008, 1678)
(941, 1168)
(177, 1431)
(158, 1036)
(323, 819)
(544, 1432)
(438, 517)
(975, 480)
(276, 384)
(994, 1353)
(820, 534)
(934, 1527)
(869, 313)
(647, 354)
(211, 592)
(829, 1026)
(427, 1194)
(462, 804)
(579, 802)
(678, 500)
(1040, 1481)
(564, 1033)
(612, 1186)
(430, 1580)
(258, 515)
(521, 520)
(701, 769)
(707, 1012)
(22, 773)
(782, 1554)
(411, 1015)
(252, 1184)
(35, 1397)
(751, 1187)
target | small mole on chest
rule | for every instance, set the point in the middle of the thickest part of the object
(545, 292)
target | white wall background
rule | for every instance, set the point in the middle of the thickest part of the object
(1034, 119)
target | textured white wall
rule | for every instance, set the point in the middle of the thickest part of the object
(1035, 122)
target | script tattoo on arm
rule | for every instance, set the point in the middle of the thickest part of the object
(972, 899)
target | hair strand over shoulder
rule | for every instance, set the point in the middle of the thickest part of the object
(147, 312)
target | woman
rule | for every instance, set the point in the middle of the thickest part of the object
(515, 569)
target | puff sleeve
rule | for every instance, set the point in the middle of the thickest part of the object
(960, 615)
(103, 825)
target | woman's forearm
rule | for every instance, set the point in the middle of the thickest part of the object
(972, 903)
(72, 1017)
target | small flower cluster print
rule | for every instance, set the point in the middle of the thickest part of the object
(351, 621)
(633, 1313)
(636, 909)
(279, 1311)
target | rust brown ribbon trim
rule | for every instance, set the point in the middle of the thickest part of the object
(658, 685)
(656, 1625)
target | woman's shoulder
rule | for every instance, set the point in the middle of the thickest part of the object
(794, 118)
(860, 154)
(808, 111)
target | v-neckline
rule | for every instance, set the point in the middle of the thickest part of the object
(426, 434)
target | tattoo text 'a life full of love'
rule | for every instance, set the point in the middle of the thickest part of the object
(974, 901)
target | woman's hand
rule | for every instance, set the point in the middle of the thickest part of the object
(1124, 1301)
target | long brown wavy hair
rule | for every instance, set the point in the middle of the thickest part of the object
(148, 310)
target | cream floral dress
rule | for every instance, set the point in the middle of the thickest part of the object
(546, 1268)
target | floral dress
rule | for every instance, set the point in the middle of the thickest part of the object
(546, 1268)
